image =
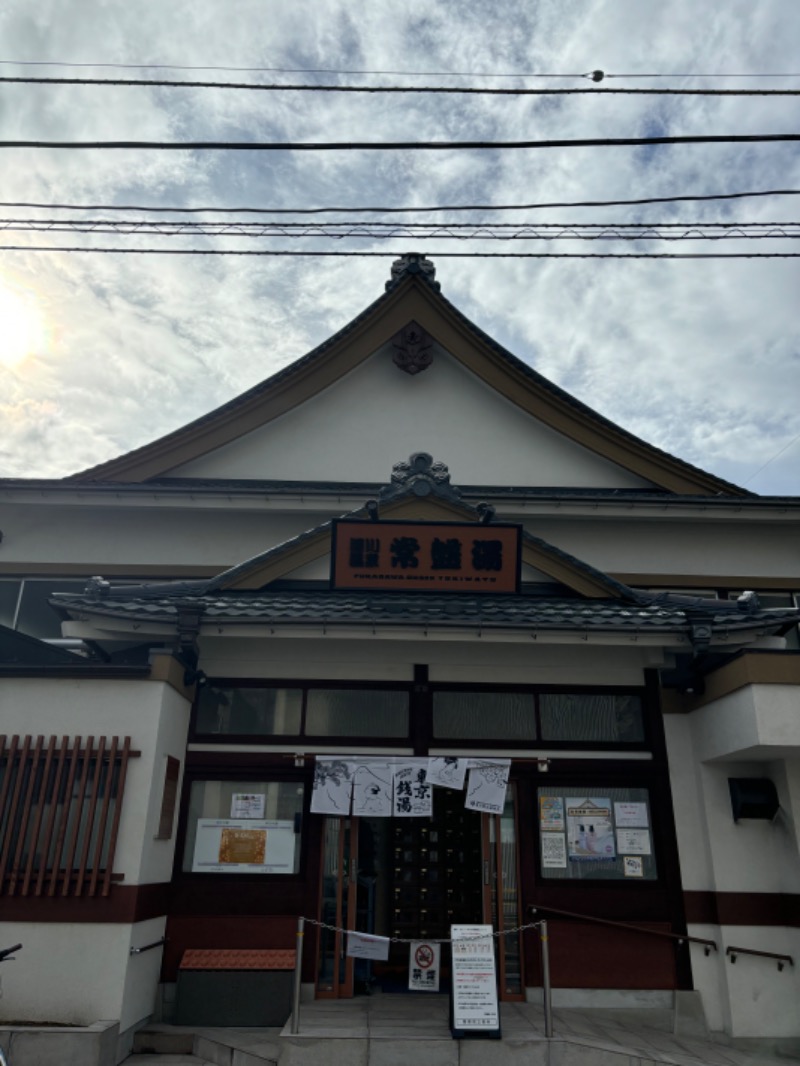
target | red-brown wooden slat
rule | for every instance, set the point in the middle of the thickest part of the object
(112, 839)
(26, 815)
(76, 809)
(39, 800)
(47, 838)
(63, 821)
(7, 753)
(97, 858)
(12, 806)
(92, 810)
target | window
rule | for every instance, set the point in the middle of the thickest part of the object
(60, 806)
(471, 715)
(244, 827)
(591, 717)
(603, 835)
(249, 711)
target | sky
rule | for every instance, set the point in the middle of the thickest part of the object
(103, 352)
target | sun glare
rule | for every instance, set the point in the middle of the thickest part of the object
(22, 331)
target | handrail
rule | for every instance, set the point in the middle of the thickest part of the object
(781, 959)
(149, 947)
(680, 937)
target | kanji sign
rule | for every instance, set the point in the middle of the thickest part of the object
(425, 556)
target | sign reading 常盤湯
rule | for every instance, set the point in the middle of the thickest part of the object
(425, 556)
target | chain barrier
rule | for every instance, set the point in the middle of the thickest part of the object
(428, 939)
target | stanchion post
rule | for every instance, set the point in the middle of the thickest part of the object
(298, 968)
(548, 1005)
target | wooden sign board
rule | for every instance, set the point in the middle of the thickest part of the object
(425, 556)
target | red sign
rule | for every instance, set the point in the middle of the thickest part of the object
(425, 556)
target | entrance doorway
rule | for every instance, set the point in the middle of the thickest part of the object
(412, 879)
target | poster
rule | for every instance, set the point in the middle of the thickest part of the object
(554, 851)
(630, 814)
(247, 805)
(474, 984)
(413, 796)
(244, 845)
(486, 788)
(589, 829)
(367, 946)
(633, 842)
(447, 771)
(372, 788)
(423, 966)
(632, 866)
(551, 813)
(333, 785)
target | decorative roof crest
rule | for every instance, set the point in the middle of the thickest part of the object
(413, 263)
(422, 477)
(412, 349)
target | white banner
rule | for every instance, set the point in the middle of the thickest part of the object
(333, 785)
(367, 946)
(488, 780)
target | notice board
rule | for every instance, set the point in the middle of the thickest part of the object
(474, 1010)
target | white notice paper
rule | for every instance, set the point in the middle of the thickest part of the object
(633, 841)
(367, 946)
(372, 788)
(486, 789)
(413, 796)
(630, 814)
(247, 805)
(447, 771)
(333, 784)
(554, 851)
(423, 966)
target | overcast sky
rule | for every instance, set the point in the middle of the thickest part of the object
(700, 358)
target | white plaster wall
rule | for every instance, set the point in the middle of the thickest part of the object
(691, 827)
(188, 535)
(688, 544)
(377, 415)
(79, 973)
(150, 712)
(763, 1002)
(755, 719)
(381, 660)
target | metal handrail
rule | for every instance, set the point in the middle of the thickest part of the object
(148, 947)
(781, 959)
(679, 937)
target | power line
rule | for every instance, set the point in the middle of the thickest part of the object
(371, 254)
(386, 89)
(403, 210)
(631, 231)
(397, 73)
(383, 146)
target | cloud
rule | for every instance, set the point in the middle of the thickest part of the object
(696, 356)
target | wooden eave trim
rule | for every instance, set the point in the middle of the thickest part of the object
(410, 300)
(709, 581)
(413, 508)
(749, 668)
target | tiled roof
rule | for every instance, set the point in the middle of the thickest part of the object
(237, 959)
(454, 610)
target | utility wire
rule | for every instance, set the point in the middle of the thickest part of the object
(777, 455)
(400, 210)
(398, 73)
(383, 89)
(438, 255)
(383, 146)
(668, 231)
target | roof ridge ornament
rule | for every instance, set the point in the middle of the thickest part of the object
(421, 476)
(413, 263)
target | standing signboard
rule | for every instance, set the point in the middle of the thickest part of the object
(474, 1010)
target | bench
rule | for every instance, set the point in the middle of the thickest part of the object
(248, 987)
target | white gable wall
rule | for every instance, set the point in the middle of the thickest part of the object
(378, 415)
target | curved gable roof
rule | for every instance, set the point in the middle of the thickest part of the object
(411, 298)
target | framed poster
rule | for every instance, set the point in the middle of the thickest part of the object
(243, 846)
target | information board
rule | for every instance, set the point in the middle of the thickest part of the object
(474, 1008)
